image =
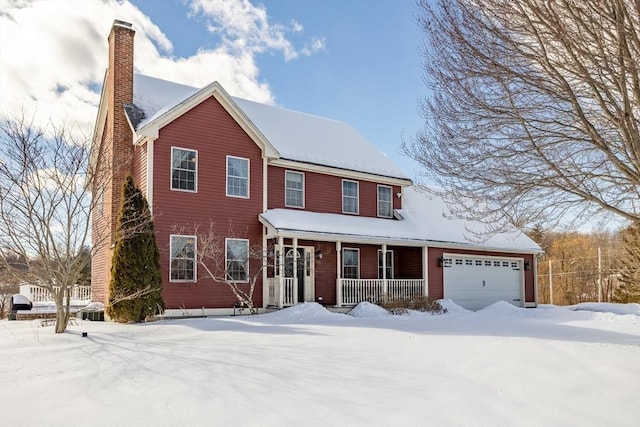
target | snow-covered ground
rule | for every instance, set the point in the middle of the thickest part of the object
(304, 366)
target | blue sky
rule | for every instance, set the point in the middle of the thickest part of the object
(368, 74)
(356, 61)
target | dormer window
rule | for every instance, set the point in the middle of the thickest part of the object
(184, 167)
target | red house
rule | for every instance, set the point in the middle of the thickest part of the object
(341, 221)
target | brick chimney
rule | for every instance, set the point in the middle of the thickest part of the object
(116, 153)
(120, 92)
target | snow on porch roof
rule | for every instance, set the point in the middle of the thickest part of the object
(296, 136)
(423, 223)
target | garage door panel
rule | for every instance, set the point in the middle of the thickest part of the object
(474, 282)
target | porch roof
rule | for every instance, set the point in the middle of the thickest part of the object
(423, 223)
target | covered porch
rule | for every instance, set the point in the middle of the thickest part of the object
(341, 273)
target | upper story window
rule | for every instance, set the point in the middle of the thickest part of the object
(294, 189)
(184, 167)
(385, 201)
(350, 263)
(237, 260)
(350, 202)
(182, 267)
(237, 177)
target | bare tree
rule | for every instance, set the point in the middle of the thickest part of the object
(45, 205)
(535, 109)
(9, 281)
(238, 266)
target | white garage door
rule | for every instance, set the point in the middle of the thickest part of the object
(476, 282)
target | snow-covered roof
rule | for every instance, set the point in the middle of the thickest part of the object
(423, 222)
(296, 136)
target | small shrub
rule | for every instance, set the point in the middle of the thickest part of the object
(399, 306)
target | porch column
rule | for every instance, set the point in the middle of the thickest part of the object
(265, 260)
(280, 249)
(385, 285)
(338, 275)
(295, 270)
(425, 271)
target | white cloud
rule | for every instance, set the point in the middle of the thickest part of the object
(53, 54)
(245, 27)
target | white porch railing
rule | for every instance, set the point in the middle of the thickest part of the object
(39, 294)
(288, 291)
(355, 291)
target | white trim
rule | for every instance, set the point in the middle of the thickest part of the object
(343, 173)
(227, 177)
(216, 91)
(226, 240)
(265, 185)
(265, 263)
(150, 148)
(384, 266)
(195, 179)
(425, 270)
(303, 189)
(338, 273)
(358, 266)
(357, 212)
(195, 258)
(378, 200)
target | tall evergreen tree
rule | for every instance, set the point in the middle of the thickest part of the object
(136, 281)
(629, 290)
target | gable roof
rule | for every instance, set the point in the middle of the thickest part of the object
(294, 136)
(423, 223)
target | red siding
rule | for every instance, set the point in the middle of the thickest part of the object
(139, 167)
(436, 283)
(407, 263)
(210, 130)
(323, 193)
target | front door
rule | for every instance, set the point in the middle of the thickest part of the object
(304, 284)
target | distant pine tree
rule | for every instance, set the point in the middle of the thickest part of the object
(136, 280)
(629, 290)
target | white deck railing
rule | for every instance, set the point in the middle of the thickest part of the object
(288, 291)
(354, 291)
(39, 294)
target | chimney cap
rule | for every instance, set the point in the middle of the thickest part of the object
(119, 23)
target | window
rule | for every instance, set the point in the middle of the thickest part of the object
(183, 169)
(349, 196)
(389, 265)
(385, 203)
(350, 263)
(237, 177)
(237, 259)
(294, 189)
(183, 258)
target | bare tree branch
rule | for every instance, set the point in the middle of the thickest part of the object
(46, 185)
(535, 112)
